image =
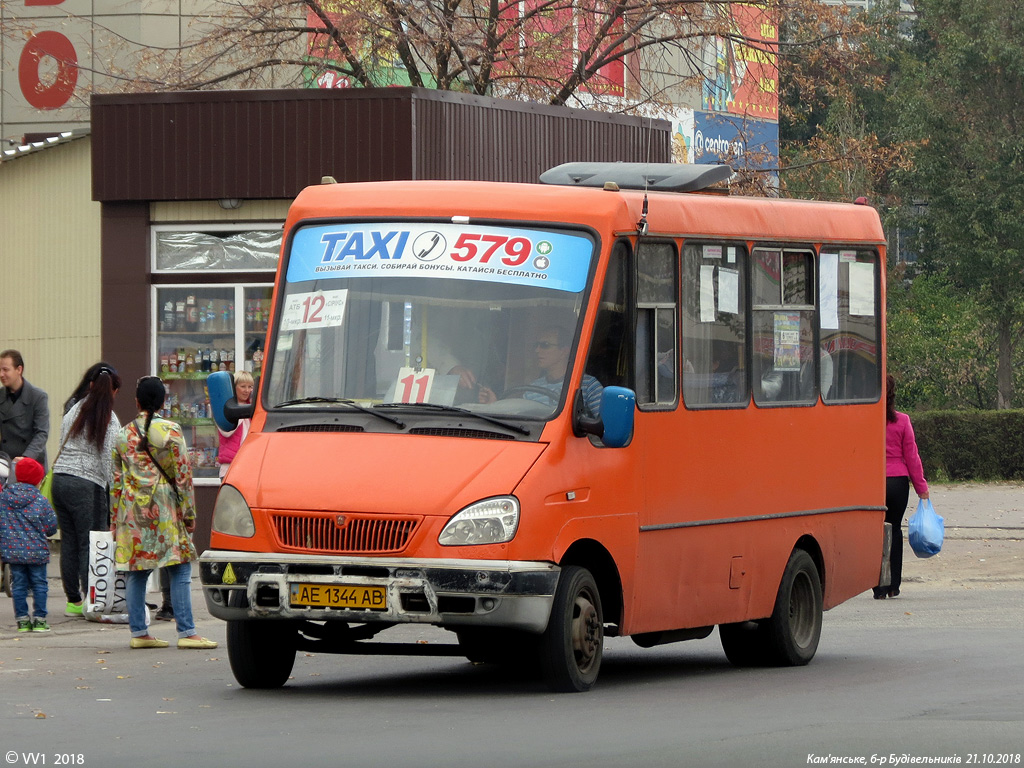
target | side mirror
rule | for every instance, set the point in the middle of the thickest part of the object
(615, 426)
(226, 410)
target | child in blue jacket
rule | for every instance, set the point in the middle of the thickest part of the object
(26, 520)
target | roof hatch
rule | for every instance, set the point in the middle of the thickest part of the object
(659, 177)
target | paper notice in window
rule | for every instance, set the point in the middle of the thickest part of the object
(829, 290)
(862, 289)
(728, 290)
(787, 342)
(319, 309)
(712, 251)
(707, 293)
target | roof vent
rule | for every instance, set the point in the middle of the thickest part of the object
(656, 177)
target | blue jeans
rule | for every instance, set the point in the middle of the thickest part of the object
(24, 579)
(181, 599)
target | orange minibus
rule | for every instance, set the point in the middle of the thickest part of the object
(614, 403)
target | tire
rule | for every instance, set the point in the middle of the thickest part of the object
(262, 653)
(794, 628)
(789, 638)
(572, 646)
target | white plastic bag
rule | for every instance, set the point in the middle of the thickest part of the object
(106, 601)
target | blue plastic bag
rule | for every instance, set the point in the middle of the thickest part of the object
(926, 530)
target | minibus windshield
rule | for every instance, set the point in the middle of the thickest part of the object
(413, 316)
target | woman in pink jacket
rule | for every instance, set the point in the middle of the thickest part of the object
(231, 441)
(902, 467)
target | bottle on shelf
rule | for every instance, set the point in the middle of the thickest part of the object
(191, 313)
(167, 322)
(223, 360)
(206, 360)
(179, 316)
(214, 360)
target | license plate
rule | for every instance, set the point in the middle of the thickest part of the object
(339, 596)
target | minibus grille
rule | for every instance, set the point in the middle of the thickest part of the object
(335, 533)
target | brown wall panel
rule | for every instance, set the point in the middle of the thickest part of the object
(270, 144)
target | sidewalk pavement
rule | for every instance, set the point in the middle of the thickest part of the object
(977, 510)
(981, 519)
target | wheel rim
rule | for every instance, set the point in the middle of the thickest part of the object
(586, 631)
(801, 610)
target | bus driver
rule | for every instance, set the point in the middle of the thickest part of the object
(552, 354)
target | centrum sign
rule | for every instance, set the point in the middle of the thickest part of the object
(728, 138)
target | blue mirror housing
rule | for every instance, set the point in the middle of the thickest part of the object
(617, 408)
(221, 387)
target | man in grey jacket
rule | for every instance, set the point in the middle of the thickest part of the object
(24, 411)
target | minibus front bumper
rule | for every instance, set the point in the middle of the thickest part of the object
(445, 592)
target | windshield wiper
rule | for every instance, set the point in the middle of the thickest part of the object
(342, 401)
(456, 409)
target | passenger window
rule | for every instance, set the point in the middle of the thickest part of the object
(656, 343)
(785, 364)
(714, 325)
(848, 286)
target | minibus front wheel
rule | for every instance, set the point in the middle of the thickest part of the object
(262, 653)
(573, 643)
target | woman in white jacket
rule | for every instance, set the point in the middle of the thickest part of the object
(81, 477)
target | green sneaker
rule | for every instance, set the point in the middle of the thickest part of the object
(40, 625)
(24, 625)
(73, 610)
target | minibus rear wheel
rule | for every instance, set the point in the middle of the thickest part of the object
(572, 646)
(262, 653)
(795, 625)
(789, 637)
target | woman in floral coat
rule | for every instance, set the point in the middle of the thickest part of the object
(154, 514)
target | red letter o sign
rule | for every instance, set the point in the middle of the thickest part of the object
(56, 94)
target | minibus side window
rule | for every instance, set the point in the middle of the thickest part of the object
(656, 319)
(785, 361)
(714, 325)
(609, 355)
(848, 287)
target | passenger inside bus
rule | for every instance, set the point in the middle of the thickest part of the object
(552, 350)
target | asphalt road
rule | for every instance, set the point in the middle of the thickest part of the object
(935, 673)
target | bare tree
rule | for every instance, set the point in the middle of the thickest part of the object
(613, 53)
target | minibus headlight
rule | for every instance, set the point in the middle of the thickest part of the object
(231, 514)
(491, 521)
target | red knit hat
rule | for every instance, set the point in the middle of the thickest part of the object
(29, 471)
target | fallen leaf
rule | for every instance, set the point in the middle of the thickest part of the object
(40, 715)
